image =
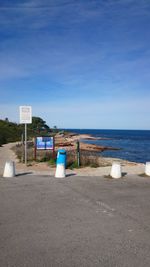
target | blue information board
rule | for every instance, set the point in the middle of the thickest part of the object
(45, 143)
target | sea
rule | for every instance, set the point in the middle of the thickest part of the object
(133, 145)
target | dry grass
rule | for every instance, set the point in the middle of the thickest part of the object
(87, 158)
(41, 155)
(144, 175)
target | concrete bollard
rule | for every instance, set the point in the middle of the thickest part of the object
(60, 171)
(147, 168)
(116, 170)
(9, 170)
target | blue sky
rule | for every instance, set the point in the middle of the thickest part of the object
(79, 64)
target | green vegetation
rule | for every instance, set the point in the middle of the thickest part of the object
(12, 132)
(9, 132)
(38, 126)
(73, 165)
(52, 162)
(87, 158)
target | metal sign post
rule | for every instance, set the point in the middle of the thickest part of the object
(25, 118)
(25, 148)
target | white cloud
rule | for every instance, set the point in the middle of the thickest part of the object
(96, 114)
(10, 71)
(119, 113)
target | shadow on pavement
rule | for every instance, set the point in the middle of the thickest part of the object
(23, 173)
(70, 174)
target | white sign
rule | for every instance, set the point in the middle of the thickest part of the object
(25, 114)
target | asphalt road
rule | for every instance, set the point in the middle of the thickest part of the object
(75, 221)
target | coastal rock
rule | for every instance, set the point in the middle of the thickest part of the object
(68, 141)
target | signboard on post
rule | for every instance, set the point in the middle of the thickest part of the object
(44, 143)
(26, 118)
(25, 114)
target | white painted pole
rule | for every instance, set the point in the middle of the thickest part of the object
(25, 144)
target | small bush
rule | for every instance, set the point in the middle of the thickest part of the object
(94, 165)
(73, 165)
(52, 162)
(87, 158)
(71, 158)
(41, 155)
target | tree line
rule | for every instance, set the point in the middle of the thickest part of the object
(12, 132)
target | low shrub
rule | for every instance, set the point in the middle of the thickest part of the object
(52, 162)
(87, 158)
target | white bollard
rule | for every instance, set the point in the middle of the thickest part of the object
(60, 171)
(116, 170)
(9, 170)
(147, 168)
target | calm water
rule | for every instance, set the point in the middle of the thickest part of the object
(134, 145)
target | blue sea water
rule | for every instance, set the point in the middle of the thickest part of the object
(134, 145)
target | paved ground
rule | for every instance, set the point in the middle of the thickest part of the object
(75, 221)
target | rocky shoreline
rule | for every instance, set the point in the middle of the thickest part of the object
(68, 141)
